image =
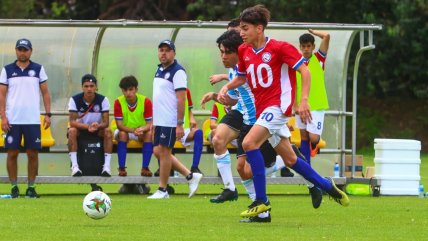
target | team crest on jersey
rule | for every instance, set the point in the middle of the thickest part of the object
(97, 108)
(32, 73)
(266, 57)
(167, 74)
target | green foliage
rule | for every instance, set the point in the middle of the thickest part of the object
(11, 9)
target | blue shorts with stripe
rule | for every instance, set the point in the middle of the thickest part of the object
(31, 134)
(164, 136)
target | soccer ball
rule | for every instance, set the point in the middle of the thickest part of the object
(96, 205)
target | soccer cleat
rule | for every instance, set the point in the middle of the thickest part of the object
(14, 192)
(145, 172)
(196, 170)
(257, 219)
(122, 172)
(285, 172)
(31, 193)
(106, 172)
(170, 189)
(316, 195)
(159, 195)
(255, 208)
(314, 151)
(226, 195)
(75, 171)
(194, 183)
(338, 195)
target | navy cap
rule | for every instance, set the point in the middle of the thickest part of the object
(89, 78)
(169, 43)
(24, 43)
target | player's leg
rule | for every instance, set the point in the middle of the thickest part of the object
(72, 134)
(122, 138)
(196, 136)
(192, 178)
(32, 145)
(147, 152)
(12, 143)
(107, 136)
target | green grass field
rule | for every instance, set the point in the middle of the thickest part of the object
(59, 216)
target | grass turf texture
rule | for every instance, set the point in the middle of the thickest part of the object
(59, 216)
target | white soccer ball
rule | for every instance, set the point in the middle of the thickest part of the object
(96, 205)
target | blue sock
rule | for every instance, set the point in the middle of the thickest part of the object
(255, 158)
(147, 153)
(121, 153)
(197, 147)
(306, 171)
(305, 150)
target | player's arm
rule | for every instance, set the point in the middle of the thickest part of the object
(235, 83)
(304, 108)
(46, 102)
(72, 118)
(325, 39)
(214, 96)
(4, 121)
(181, 98)
(105, 121)
(214, 79)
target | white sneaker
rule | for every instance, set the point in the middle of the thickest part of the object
(159, 195)
(193, 183)
(75, 171)
(106, 172)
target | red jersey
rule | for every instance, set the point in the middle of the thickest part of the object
(148, 110)
(271, 74)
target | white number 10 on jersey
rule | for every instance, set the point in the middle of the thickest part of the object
(259, 78)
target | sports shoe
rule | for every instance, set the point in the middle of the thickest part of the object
(226, 195)
(257, 219)
(14, 192)
(106, 172)
(31, 193)
(170, 189)
(255, 208)
(75, 171)
(196, 170)
(145, 172)
(285, 172)
(316, 195)
(193, 183)
(122, 172)
(158, 195)
(314, 151)
(338, 195)
(95, 187)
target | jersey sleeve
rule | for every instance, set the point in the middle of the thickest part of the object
(105, 105)
(241, 71)
(189, 99)
(214, 113)
(321, 57)
(180, 80)
(3, 77)
(148, 110)
(42, 76)
(72, 105)
(117, 110)
(290, 55)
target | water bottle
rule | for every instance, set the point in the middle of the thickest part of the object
(336, 170)
(5, 196)
(421, 191)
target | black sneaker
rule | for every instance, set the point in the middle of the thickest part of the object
(257, 219)
(95, 187)
(31, 193)
(226, 195)
(285, 172)
(157, 173)
(14, 192)
(170, 189)
(196, 170)
(316, 195)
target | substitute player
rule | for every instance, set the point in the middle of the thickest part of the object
(269, 66)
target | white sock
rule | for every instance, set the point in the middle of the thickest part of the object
(279, 164)
(224, 167)
(264, 214)
(107, 158)
(73, 158)
(249, 187)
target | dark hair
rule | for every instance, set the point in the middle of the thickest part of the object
(233, 23)
(128, 82)
(230, 40)
(306, 38)
(255, 15)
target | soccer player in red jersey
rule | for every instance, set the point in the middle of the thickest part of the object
(270, 67)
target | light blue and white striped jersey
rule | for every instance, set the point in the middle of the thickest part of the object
(245, 99)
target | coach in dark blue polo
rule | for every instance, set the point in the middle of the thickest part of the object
(20, 85)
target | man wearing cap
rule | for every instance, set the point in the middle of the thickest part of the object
(89, 112)
(169, 94)
(21, 83)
